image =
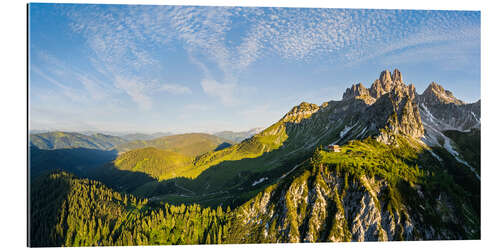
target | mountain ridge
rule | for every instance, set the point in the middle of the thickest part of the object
(62, 140)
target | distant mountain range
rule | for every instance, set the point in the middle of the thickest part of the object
(143, 136)
(228, 135)
(60, 140)
(408, 169)
(237, 136)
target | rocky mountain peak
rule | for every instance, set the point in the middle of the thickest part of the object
(396, 76)
(385, 76)
(391, 106)
(354, 91)
(384, 84)
(301, 111)
(376, 89)
(396, 113)
(436, 94)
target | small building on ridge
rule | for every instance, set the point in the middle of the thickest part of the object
(333, 147)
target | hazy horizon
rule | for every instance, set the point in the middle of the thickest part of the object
(127, 132)
(179, 69)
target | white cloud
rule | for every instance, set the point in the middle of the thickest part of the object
(96, 91)
(69, 92)
(175, 89)
(198, 107)
(225, 92)
(75, 84)
(136, 90)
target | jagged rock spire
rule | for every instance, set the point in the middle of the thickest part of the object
(355, 90)
(396, 76)
(385, 76)
(384, 84)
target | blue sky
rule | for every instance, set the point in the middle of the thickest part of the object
(184, 69)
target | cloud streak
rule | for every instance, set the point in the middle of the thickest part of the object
(220, 90)
(175, 89)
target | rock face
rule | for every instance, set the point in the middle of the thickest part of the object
(392, 106)
(324, 206)
(396, 113)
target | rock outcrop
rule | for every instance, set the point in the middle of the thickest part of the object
(301, 111)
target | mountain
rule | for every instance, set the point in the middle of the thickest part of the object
(387, 110)
(191, 144)
(391, 185)
(37, 131)
(237, 136)
(62, 140)
(449, 122)
(72, 152)
(140, 165)
(442, 111)
(96, 157)
(143, 136)
(408, 169)
(436, 94)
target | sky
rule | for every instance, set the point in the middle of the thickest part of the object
(140, 68)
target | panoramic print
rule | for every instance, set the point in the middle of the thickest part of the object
(168, 125)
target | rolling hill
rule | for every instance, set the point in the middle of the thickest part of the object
(158, 163)
(143, 136)
(191, 144)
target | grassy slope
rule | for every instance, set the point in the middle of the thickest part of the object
(192, 144)
(158, 163)
(167, 163)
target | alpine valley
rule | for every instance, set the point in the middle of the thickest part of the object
(408, 168)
